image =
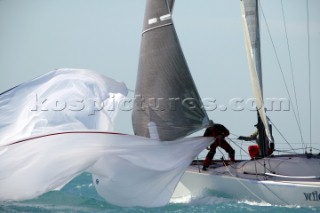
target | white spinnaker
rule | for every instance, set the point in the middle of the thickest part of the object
(252, 41)
(133, 171)
(61, 100)
(146, 172)
(51, 147)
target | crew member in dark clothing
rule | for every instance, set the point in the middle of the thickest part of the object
(219, 132)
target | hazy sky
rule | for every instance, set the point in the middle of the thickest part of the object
(104, 35)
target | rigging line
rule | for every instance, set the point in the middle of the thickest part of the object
(168, 6)
(284, 150)
(291, 151)
(241, 183)
(199, 170)
(247, 188)
(247, 153)
(234, 134)
(256, 161)
(292, 73)
(281, 134)
(265, 185)
(240, 147)
(278, 61)
(309, 66)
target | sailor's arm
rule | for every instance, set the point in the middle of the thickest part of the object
(251, 137)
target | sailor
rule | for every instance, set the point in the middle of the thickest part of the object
(252, 137)
(219, 132)
(254, 149)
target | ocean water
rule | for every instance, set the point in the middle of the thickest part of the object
(80, 196)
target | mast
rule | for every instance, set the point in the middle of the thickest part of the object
(250, 18)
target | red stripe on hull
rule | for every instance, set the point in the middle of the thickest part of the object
(62, 133)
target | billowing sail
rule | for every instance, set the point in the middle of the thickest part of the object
(61, 100)
(166, 96)
(250, 18)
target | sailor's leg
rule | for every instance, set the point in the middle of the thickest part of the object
(226, 146)
(210, 155)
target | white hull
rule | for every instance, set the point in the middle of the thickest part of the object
(233, 182)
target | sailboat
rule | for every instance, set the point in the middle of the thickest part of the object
(276, 179)
(142, 169)
(48, 146)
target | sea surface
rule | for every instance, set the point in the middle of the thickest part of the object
(80, 196)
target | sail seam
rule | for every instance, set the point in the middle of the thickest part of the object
(168, 6)
(154, 28)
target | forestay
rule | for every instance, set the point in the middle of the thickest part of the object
(165, 91)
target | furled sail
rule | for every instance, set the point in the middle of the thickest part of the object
(250, 18)
(166, 95)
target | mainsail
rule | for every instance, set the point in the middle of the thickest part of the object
(250, 18)
(166, 95)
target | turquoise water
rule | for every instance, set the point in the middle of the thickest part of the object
(80, 196)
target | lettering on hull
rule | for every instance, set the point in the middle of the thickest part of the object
(312, 196)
